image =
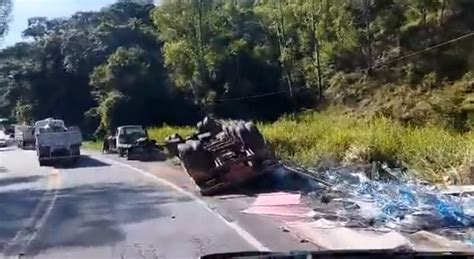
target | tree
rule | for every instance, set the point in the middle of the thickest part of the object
(141, 2)
(51, 74)
(6, 7)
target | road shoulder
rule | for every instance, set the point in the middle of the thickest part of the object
(262, 232)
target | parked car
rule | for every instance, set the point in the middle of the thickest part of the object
(3, 139)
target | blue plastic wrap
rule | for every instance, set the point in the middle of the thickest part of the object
(402, 204)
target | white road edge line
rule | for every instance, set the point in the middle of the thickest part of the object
(242, 232)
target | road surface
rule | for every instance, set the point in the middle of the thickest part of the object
(106, 207)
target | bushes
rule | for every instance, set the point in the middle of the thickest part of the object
(160, 133)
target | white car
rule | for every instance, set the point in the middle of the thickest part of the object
(3, 141)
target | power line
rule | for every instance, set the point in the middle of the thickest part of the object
(427, 49)
(249, 97)
(383, 64)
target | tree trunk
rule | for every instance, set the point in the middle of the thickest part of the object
(326, 17)
(318, 67)
(201, 41)
(200, 96)
(282, 39)
(441, 14)
(367, 4)
(315, 51)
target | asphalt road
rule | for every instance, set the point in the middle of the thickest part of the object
(105, 207)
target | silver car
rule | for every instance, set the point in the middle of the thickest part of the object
(3, 141)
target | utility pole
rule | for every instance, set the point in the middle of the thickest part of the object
(441, 15)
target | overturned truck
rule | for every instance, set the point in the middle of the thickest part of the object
(222, 154)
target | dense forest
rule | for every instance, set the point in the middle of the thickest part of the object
(133, 63)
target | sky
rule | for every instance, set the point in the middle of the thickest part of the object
(24, 9)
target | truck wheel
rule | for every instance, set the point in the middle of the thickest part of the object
(121, 152)
(215, 189)
(129, 153)
(74, 160)
(45, 163)
(194, 157)
(252, 138)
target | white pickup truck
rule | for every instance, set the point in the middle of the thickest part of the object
(55, 142)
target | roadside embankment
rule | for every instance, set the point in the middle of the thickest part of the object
(311, 138)
(434, 153)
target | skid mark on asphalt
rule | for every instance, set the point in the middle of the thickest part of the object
(24, 237)
(238, 229)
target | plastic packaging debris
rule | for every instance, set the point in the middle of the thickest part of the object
(333, 236)
(402, 204)
(336, 237)
(284, 211)
(279, 204)
(277, 198)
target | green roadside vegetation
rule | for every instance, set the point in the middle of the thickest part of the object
(92, 145)
(432, 152)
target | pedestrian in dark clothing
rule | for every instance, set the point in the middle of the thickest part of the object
(106, 143)
(105, 146)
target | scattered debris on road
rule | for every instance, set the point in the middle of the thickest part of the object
(280, 204)
(225, 154)
(345, 201)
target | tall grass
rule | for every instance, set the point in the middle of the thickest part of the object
(430, 150)
(311, 137)
(92, 145)
(160, 133)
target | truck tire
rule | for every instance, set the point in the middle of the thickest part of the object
(172, 143)
(208, 125)
(214, 190)
(194, 157)
(45, 162)
(121, 152)
(252, 138)
(259, 146)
